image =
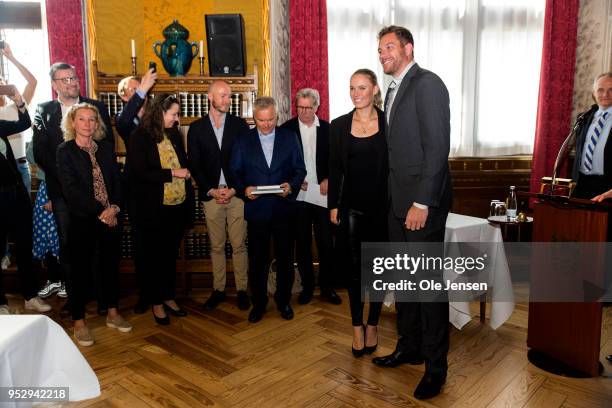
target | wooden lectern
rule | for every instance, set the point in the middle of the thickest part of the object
(565, 337)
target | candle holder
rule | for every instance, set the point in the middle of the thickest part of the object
(133, 66)
(201, 65)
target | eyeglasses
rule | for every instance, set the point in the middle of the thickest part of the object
(67, 80)
(305, 108)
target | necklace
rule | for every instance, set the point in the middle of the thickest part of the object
(364, 128)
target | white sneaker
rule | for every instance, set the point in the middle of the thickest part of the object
(4, 310)
(119, 323)
(37, 304)
(5, 263)
(84, 337)
(49, 289)
(62, 293)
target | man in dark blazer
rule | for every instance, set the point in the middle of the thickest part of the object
(592, 169)
(418, 139)
(133, 93)
(313, 135)
(268, 156)
(210, 143)
(48, 135)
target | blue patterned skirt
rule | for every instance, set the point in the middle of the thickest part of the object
(44, 235)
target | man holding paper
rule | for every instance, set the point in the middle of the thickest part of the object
(270, 158)
(313, 135)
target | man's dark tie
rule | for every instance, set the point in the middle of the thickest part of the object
(389, 98)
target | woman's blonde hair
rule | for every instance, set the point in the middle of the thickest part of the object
(368, 73)
(68, 122)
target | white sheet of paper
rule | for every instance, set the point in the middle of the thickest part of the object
(274, 189)
(313, 195)
(301, 195)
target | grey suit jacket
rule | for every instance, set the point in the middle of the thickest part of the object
(418, 139)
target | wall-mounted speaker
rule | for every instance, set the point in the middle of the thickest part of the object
(226, 45)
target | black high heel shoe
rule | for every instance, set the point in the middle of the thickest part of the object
(359, 352)
(175, 312)
(162, 321)
(369, 349)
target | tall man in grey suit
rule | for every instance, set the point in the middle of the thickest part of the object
(418, 138)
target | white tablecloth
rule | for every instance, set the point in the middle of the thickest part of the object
(462, 228)
(36, 352)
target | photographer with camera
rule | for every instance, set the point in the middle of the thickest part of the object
(15, 207)
(8, 111)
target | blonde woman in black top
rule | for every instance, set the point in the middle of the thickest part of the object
(89, 177)
(357, 194)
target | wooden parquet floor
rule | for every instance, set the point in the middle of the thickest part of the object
(218, 359)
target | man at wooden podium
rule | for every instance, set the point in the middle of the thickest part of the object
(593, 164)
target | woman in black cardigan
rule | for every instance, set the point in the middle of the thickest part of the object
(89, 177)
(161, 199)
(357, 194)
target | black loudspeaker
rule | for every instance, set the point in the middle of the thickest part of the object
(226, 45)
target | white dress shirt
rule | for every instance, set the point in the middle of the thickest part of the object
(308, 134)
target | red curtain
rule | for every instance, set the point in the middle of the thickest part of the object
(556, 85)
(308, 39)
(65, 30)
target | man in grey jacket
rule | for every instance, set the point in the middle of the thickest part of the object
(420, 193)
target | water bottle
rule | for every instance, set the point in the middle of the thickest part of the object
(512, 205)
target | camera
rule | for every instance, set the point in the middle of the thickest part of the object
(153, 65)
(8, 90)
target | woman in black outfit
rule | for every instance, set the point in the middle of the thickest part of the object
(89, 177)
(161, 199)
(357, 193)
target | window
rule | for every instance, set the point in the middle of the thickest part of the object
(25, 32)
(487, 52)
(31, 47)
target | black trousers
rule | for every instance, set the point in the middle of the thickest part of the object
(63, 221)
(53, 267)
(423, 327)
(311, 216)
(160, 243)
(260, 235)
(94, 257)
(139, 255)
(357, 227)
(140, 261)
(16, 221)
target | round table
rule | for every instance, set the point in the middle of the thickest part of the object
(505, 222)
